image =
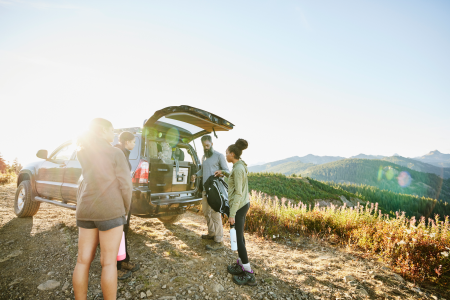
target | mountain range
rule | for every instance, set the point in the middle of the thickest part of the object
(394, 173)
(435, 158)
(433, 162)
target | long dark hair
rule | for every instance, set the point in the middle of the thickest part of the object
(96, 128)
(238, 147)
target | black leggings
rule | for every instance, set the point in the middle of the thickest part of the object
(239, 225)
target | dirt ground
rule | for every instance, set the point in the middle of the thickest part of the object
(175, 264)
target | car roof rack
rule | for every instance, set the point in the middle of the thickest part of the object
(130, 129)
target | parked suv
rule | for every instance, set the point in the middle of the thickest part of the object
(162, 163)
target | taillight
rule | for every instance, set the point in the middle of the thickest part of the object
(141, 173)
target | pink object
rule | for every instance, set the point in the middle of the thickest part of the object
(122, 253)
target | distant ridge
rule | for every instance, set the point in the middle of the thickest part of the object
(435, 158)
(308, 159)
(417, 165)
(364, 156)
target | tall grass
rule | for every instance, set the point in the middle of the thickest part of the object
(417, 249)
(7, 177)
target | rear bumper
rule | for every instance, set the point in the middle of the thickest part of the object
(146, 205)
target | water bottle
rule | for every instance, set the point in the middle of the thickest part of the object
(122, 252)
(233, 239)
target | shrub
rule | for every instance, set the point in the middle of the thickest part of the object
(418, 250)
(7, 177)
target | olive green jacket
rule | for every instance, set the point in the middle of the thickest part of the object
(238, 187)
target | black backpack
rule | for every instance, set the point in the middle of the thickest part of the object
(217, 194)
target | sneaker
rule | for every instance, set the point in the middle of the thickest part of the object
(123, 274)
(235, 269)
(133, 267)
(207, 237)
(215, 246)
(247, 278)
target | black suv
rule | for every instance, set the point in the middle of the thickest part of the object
(162, 163)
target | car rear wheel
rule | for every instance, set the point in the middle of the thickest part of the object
(24, 205)
(170, 219)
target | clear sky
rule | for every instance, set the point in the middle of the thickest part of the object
(295, 77)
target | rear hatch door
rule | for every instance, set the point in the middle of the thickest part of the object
(200, 118)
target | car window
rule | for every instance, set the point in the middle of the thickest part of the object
(185, 156)
(65, 153)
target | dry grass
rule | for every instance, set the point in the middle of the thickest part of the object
(417, 250)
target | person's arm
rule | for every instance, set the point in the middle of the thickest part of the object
(223, 165)
(123, 176)
(238, 191)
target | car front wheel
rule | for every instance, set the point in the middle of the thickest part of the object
(24, 205)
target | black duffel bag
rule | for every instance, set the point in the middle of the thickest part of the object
(217, 194)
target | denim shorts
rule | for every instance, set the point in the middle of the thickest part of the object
(103, 225)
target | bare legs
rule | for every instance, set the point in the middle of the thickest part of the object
(109, 247)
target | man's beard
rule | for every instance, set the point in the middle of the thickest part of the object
(209, 152)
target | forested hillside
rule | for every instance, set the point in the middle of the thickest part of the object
(419, 166)
(392, 202)
(288, 168)
(384, 175)
(310, 191)
(297, 189)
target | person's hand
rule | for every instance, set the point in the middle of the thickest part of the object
(218, 174)
(231, 220)
(193, 177)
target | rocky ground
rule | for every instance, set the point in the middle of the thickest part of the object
(37, 257)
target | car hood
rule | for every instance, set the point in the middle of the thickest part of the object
(201, 118)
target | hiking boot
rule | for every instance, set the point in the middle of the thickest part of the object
(123, 274)
(207, 237)
(214, 246)
(133, 267)
(247, 278)
(235, 269)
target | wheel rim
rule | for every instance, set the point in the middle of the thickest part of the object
(21, 199)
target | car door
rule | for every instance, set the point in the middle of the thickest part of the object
(50, 175)
(194, 116)
(72, 174)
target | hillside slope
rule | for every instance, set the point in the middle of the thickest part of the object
(384, 175)
(288, 168)
(307, 159)
(419, 166)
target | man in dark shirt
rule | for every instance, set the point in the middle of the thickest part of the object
(126, 143)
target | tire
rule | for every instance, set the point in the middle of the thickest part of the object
(170, 219)
(24, 205)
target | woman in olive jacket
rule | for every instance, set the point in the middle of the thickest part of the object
(102, 205)
(239, 200)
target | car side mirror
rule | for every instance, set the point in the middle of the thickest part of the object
(42, 154)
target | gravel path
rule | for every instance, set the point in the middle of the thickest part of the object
(38, 256)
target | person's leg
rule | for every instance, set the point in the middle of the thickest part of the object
(109, 247)
(125, 231)
(125, 264)
(239, 225)
(87, 244)
(247, 276)
(216, 219)
(207, 213)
